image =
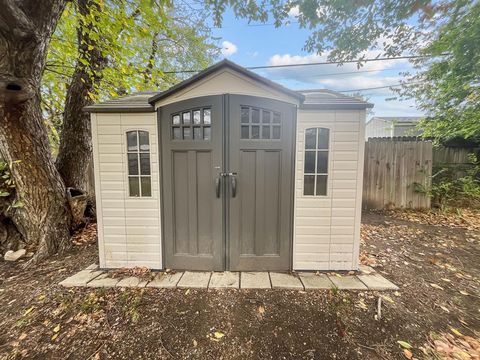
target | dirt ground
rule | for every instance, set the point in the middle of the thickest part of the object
(434, 258)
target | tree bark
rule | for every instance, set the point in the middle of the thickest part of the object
(44, 219)
(75, 151)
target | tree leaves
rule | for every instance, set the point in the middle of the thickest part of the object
(404, 344)
(124, 34)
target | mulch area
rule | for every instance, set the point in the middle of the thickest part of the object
(435, 314)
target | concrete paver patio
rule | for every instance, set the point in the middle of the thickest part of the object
(365, 279)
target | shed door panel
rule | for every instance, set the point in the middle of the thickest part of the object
(191, 162)
(261, 133)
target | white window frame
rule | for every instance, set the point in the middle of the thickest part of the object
(138, 152)
(328, 150)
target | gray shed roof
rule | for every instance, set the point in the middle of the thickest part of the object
(309, 99)
(136, 102)
(328, 99)
(398, 119)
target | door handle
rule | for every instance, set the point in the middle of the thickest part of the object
(233, 181)
(218, 183)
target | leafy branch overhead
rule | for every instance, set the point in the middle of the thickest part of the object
(445, 84)
(140, 42)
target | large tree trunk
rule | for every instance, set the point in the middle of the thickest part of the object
(44, 219)
(75, 152)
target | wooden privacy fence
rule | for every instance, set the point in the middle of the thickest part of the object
(395, 170)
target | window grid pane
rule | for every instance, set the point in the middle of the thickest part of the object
(315, 180)
(256, 123)
(138, 162)
(192, 124)
(146, 186)
(133, 186)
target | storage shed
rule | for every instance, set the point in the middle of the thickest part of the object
(229, 171)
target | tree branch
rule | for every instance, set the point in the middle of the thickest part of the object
(13, 17)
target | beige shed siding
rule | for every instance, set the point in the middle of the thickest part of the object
(128, 228)
(327, 228)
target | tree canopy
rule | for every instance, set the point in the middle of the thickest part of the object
(447, 87)
(444, 33)
(141, 43)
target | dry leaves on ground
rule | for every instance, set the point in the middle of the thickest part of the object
(142, 272)
(465, 218)
(452, 346)
(86, 235)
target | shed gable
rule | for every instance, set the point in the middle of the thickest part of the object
(226, 81)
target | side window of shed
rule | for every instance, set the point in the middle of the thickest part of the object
(315, 171)
(138, 158)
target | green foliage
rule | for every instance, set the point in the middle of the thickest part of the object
(7, 184)
(446, 33)
(130, 302)
(448, 88)
(7, 188)
(447, 190)
(141, 41)
(344, 30)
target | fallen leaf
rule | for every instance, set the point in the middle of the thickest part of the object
(261, 309)
(404, 344)
(41, 297)
(436, 286)
(28, 311)
(407, 353)
(218, 334)
(54, 336)
(195, 343)
(56, 329)
(388, 298)
(22, 336)
(187, 292)
(464, 293)
(361, 304)
(456, 332)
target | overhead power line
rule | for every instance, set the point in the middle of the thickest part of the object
(319, 63)
(381, 87)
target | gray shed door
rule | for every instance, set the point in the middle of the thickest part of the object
(227, 180)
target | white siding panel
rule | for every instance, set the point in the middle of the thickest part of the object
(343, 221)
(111, 167)
(110, 158)
(317, 265)
(110, 264)
(129, 228)
(326, 231)
(109, 139)
(318, 212)
(343, 212)
(313, 257)
(313, 221)
(109, 130)
(110, 149)
(313, 248)
(313, 239)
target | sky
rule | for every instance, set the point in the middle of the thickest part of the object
(263, 44)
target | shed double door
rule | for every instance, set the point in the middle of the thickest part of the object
(227, 183)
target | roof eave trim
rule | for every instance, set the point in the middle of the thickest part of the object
(111, 109)
(336, 106)
(218, 66)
